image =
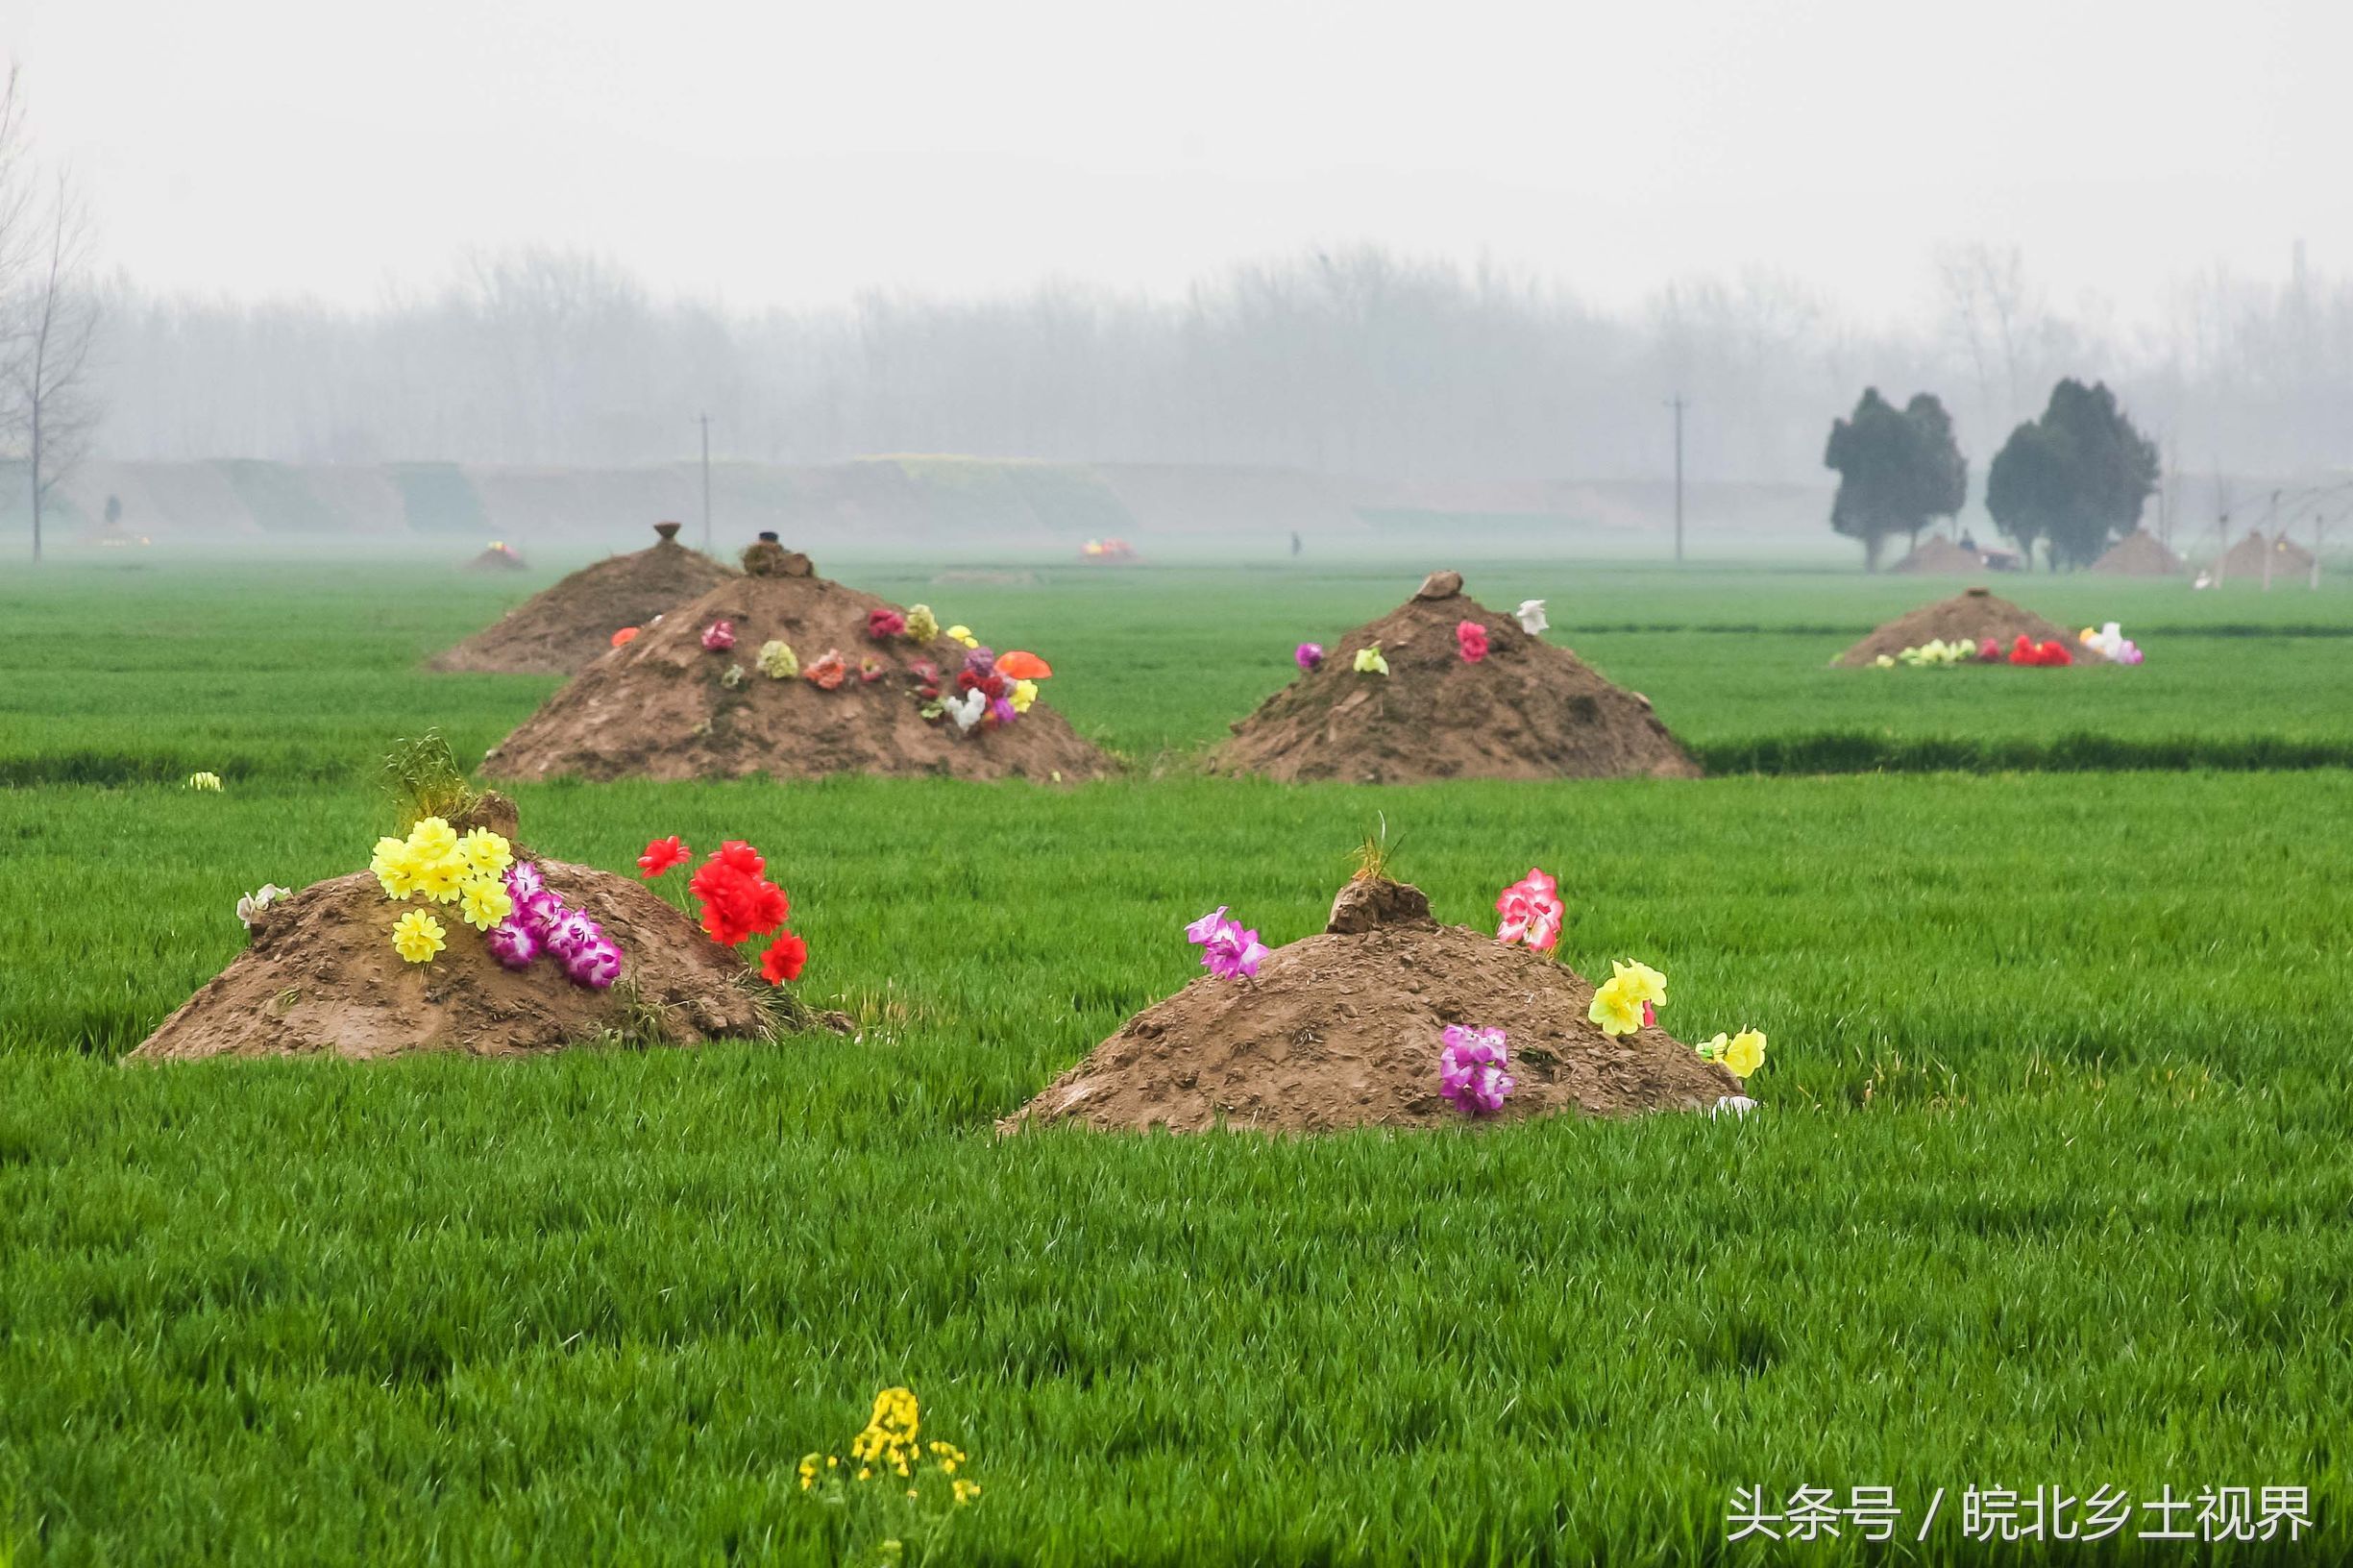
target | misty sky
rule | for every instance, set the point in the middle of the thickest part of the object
(799, 153)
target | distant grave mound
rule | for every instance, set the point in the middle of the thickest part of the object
(2251, 555)
(321, 978)
(1970, 616)
(1527, 709)
(1343, 1029)
(1940, 556)
(678, 701)
(559, 630)
(498, 557)
(2140, 554)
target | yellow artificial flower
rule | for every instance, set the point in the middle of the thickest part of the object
(777, 661)
(1615, 1007)
(394, 868)
(418, 937)
(484, 901)
(486, 852)
(431, 838)
(966, 1490)
(1369, 661)
(1646, 983)
(441, 879)
(1024, 693)
(964, 635)
(1746, 1053)
(921, 624)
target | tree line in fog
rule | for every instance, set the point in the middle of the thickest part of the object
(1357, 361)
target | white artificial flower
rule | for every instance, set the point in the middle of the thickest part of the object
(251, 906)
(1739, 1104)
(1531, 616)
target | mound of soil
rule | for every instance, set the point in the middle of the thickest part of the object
(1940, 556)
(321, 978)
(1344, 1030)
(2139, 554)
(558, 631)
(497, 559)
(658, 706)
(1527, 710)
(2244, 561)
(1972, 615)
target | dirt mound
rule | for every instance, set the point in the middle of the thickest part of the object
(1940, 556)
(2139, 554)
(1972, 615)
(321, 977)
(2244, 561)
(661, 706)
(1527, 710)
(499, 558)
(1344, 1030)
(558, 631)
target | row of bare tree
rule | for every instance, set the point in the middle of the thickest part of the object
(1357, 361)
(49, 312)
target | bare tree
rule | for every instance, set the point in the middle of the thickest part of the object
(55, 406)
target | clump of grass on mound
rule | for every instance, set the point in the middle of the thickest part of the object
(424, 780)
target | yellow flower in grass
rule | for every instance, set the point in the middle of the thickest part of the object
(418, 937)
(394, 868)
(485, 852)
(484, 901)
(1745, 1054)
(1646, 983)
(1616, 1008)
(966, 1490)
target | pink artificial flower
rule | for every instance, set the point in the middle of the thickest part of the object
(1473, 640)
(718, 637)
(882, 623)
(870, 669)
(1227, 950)
(1309, 655)
(1532, 911)
(827, 672)
(1471, 1069)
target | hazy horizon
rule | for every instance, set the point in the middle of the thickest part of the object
(800, 158)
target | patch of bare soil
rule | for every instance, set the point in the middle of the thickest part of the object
(558, 631)
(1529, 709)
(1343, 1029)
(661, 706)
(1972, 615)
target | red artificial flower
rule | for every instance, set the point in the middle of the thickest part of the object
(2021, 652)
(996, 687)
(1473, 638)
(737, 900)
(882, 624)
(967, 681)
(1988, 651)
(621, 637)
(661, 856)
(2055, 654)
(783, 959)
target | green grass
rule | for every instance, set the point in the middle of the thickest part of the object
(2050, 1189)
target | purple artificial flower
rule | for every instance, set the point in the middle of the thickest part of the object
(573, 933)
(596, 964)
(981, 661)
(1310, 655)
(1227, 950)
(1001, 709)
(522, 879)
(1471, 1069)
(537, 913)
(512, 943)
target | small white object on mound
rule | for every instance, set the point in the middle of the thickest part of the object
(1739, 1104)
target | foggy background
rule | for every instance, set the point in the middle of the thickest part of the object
(1454, 262)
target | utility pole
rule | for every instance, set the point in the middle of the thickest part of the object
(705, 421)
(1675, 402)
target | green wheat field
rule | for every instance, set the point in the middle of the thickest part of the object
(2051, 1187)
